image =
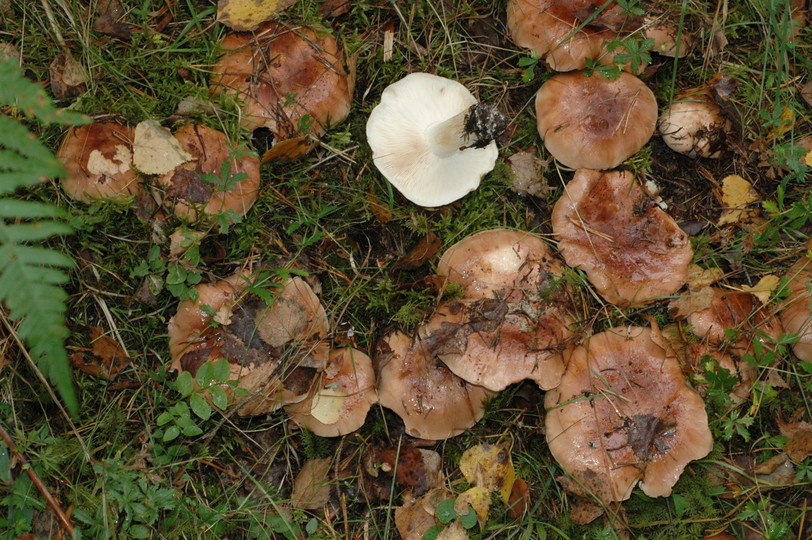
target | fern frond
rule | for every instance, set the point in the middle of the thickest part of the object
(31, 275)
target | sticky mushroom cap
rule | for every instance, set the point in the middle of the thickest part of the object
(632, 251)
(190, 196)
(432, 401)
(595, 122)
(98, 161)
(796, 313)
(291, 80)
(624, 412)
(734, 316)
(398, 131)
(341, 398)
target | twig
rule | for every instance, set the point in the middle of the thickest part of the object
(63, 519)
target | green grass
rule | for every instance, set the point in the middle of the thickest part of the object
(333, 209)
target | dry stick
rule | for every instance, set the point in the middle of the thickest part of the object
(63, 519)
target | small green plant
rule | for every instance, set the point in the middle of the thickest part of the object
(529, 64)
(445, 514)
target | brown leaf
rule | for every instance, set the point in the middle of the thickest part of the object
(425, 249)
(415, 468)
(519, 502)
(311, 489)
(799, 445)
(692, 301)
(806, 92)
(379, 209)
(334, 8)
(110, 14)
(415, 517)
(109, 360)
(527, 173)
(68, 77)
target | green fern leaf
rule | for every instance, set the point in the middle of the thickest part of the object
(31, 276)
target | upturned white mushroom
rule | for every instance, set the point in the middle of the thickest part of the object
(431, 138)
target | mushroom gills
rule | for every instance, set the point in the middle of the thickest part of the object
(474, 127)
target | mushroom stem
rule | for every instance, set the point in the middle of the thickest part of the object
(474, 127)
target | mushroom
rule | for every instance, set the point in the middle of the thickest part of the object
(734, 317)
(98, 160)
(432, 401)
(274, 350)
(220, 177)
(695, 125)
(340, 400)
(291, 80)
(432, 140)
(513, 321)
(796, 310)
(623, 413)
(632, 251)
(595, 122)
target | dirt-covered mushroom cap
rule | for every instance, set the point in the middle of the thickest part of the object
(341, 397)
(734, 317)
(291, 80)
(498, 259)
(632, 251)
(796, 310)
(220, 177)
(432, 401)
(431, 139)
(695, 125)
(623, 412)
(594, 122)
(274, 350)
(558, 32)
(98, 161)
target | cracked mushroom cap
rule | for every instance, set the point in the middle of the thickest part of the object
(291, 80)
(431, 139)
(220, 177)
(341, 397)
(594, 122)
(98, 159)
(555, 30)
(623, 412)
(432, 401)
(497, 260)
(493, 343)
(274, 350)
(632, 251)
(795, 310)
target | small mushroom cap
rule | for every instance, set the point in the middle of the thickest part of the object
(498, 259)
(432, 401)
(190, 196)
(733, 311)
(632, 252)
(594, 122)
(274, 351)
(695, 126)
(494, 344)
(397, 133)
(291, 79)
(98, 160)
(552, 29)
(341, 398)
(624, 412)
(796, 310)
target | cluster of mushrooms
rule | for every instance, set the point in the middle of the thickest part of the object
(619, 410)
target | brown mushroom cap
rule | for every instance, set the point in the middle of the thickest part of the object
(734, 317)
(623, 412)
(552, 29)
(274, 351)
(98, 160)
(190, 196)
(341, 398)
(795, 311)
(432, 401)
(632, 252)
(291, 80)
(695, 125)
(595, 122)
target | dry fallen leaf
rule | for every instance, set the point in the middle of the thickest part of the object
(763, 288)
(156, 150)
(690, 302)
(737, 193)
(247, 15)
(417, 516)
(183, 239)
(415, 468)
(109, 19)
(327, 405)
(453, 531)
(519, 502)
(68, 77)
(489, 466)
(699, 277)
(528, 174)
(799, 445)
(480, 500)
(109, 360)
(311, 489)
(425, 249)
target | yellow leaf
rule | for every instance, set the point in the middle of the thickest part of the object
(479, 498)
(699, 277)
(489, 466)
(808, 159)
(327, 405)
(737, 193)
(247, 15)
(156, 150)
(453, 531)
(763, 288)
(787, 119)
